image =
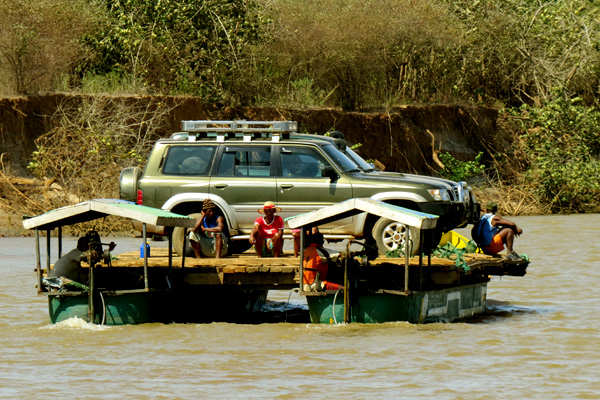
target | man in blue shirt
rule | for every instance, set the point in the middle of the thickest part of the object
(209, 236)
(498, 232)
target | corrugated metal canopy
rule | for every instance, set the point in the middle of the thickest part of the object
(100, 208)
(352, 207)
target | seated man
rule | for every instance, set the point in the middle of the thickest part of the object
(316, 265)
(69, 265)
(209, 236)
(497, 232)
(267, 234)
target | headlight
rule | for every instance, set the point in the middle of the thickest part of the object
(439, 194)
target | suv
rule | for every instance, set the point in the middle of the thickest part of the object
(242, 164)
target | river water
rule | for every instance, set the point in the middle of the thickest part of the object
(539, 339)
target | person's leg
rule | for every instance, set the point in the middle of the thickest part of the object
(258, 245)
(196, 247)
(277, 243)
(218, 245)
(508, 237)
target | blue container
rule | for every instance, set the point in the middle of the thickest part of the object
(142, 250)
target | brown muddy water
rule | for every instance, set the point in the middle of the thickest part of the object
(539, 339)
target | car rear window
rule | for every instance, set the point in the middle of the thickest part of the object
(188, 160)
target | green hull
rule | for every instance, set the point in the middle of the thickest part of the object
(125, 309)
(442, 305)
(159, 306)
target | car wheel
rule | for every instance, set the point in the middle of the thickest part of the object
(178, 233)
(390, 235)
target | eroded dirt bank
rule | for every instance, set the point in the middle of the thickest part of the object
(403, 139)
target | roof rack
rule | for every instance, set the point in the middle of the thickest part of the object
(222, 130)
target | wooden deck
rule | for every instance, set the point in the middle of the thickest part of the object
(247, 271)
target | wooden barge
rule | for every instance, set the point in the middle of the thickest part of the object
(165, 288)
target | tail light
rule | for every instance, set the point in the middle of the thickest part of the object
(140, 197)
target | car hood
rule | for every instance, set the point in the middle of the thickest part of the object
(403, 179)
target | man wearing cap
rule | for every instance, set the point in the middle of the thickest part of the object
(69, 265)
(498, 232)
(267, 234)
(209, 236)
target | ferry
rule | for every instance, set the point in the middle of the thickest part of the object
(155, 285)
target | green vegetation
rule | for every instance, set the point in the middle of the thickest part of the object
(537, 60)
(457, 170)
(562, 143)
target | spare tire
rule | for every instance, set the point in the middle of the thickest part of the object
(128, 183)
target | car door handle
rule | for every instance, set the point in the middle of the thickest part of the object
(287, 186)
(221, 185)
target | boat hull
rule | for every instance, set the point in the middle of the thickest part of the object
(181, 306)
(124, 309)
(442, 305)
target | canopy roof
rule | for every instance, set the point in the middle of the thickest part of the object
(355, 206)
(100, 208)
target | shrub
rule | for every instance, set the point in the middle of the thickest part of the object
(39, 41)
(457, 170)
(562, 141)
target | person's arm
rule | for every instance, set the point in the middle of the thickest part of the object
(218, 228)
(198, 225)
(254, 233)
(503, 222)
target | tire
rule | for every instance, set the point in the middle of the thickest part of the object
(128, 183)
(391, 235)
(178, 233)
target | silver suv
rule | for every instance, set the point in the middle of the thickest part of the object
(242, 164)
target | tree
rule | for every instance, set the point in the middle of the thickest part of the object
(176, 46)
(39, 41)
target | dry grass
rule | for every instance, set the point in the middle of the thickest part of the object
(91, 141)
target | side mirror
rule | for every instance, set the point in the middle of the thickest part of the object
(329, 172)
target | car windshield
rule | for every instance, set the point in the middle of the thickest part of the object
(341, 159)
(362, 164)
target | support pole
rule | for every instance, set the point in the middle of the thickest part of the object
(38, 260)
(301, 254)
(145, 238)
(421, 260)
(184, 248)
(346, 291)
(59, 242)
(91, 310)
(48, 253)
(170, 255)
(407, 258)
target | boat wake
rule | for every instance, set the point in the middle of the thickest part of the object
(75, 323)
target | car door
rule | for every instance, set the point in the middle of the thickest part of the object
(301, 188)
(244, 181)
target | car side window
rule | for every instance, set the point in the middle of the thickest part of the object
(188, 160)
(246, 162)
(301, 162)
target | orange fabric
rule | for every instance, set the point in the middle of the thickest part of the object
(313, 263)
(495, 247)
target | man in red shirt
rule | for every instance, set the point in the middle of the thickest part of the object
(267, 234)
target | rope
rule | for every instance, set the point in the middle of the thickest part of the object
(333, 311)
(103, 309)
